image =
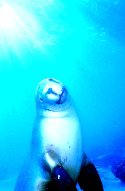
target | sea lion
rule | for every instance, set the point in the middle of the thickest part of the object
(57, 140)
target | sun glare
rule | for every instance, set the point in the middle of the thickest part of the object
(19, 29)
(7, 17)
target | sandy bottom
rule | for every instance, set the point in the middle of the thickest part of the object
(8, 184)
(110, 183)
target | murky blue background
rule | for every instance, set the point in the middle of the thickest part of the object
(82, 44)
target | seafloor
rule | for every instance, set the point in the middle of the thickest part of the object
(110, 183)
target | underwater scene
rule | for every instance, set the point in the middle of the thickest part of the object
(81, 44)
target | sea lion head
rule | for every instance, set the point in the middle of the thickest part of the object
(51, 95)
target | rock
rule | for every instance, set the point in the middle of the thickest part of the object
(118, 169)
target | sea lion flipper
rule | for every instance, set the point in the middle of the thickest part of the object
(62, 179)
(89, 179)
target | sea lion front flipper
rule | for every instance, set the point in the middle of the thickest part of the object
(89, 179)
(62, 179)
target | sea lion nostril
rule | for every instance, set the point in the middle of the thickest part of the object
(50, 91)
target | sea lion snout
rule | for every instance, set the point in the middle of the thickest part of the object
(51, 92)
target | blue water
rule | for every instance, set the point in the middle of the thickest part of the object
(82, 44)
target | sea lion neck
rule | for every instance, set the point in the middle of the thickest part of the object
(55, 114)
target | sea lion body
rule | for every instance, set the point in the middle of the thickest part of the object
(57, 130)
